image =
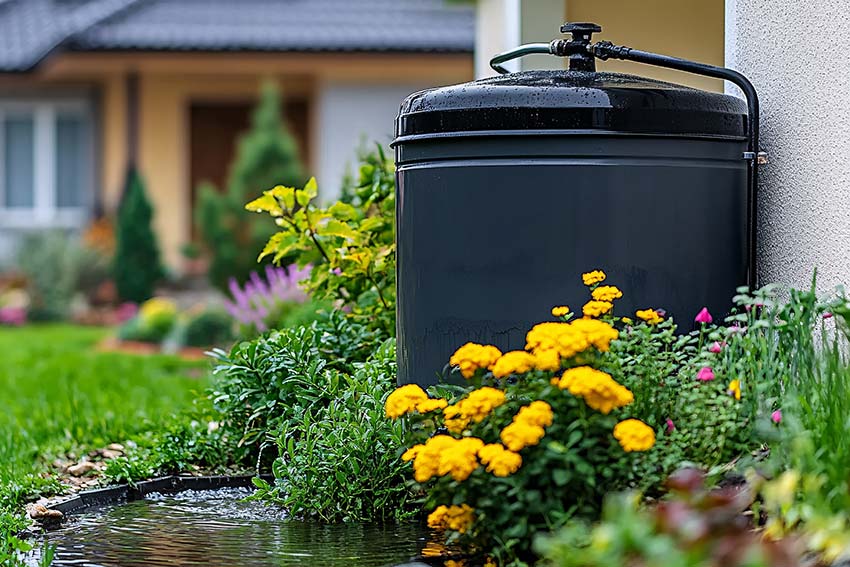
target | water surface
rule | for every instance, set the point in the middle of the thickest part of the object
(217, 528)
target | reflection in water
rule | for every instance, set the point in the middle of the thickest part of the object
(217, 528)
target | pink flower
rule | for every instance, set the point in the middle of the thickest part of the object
(703, 316)
(716, 347)
(827, 315)
(126, 311)
(705, 374)
(670, 425)
(776, 416)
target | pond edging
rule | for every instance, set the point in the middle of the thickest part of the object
(83, 501)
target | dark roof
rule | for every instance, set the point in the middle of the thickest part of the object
(31, 29)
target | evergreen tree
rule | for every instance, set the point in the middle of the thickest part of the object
(267, 155)
(137, 266)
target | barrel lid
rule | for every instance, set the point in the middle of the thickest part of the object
(568, 100)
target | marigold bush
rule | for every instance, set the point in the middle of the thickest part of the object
(533, 438)
(593, 404)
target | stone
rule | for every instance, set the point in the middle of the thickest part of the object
(43, 513)
(110, 454)
(81, 468)
(117, 447)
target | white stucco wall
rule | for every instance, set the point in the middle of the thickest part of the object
(346, 116)
(795, 53)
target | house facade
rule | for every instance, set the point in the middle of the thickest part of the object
(90, 87)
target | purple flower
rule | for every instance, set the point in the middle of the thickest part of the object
(827, 315)
(705, 374)
(670, 425)
(703, 316)
(261, 299)
(776, 416)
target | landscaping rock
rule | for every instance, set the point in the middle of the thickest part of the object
(82, 468)
(42, 513)
(118, 447)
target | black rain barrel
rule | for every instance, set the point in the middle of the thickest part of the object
(508, 188)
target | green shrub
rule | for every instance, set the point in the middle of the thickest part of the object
(155, 320)
(536, 438)
(337, 460)
(350, 246)
(210, 327)
(137, 265)
(267, 155)
(696, 526)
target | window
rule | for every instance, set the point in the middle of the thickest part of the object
(46, 163)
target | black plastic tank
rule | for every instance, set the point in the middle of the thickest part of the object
(508, 188)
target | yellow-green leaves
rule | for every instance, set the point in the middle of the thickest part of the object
(334, 227)
(304, 196)
(349, 244)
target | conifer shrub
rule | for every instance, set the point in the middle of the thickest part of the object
(266, 156)
(137, 265)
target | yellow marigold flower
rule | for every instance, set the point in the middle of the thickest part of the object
(606, 293)
(536, 413)
(431, 404)
(459, 459)
(634, 435)
(651, 316)
(477, 404)
(411, 453)
(735, 389)
(598, 389)
(527, 426)
(595, 308)
(545, 336)
(593, 277)
(547, 360)
(598, 333)
(457, 518)
(499, 460)
(627, 321)
(570, 339)
(519, 435)
(443, 454)
(471, 357)
(427, 460)
(454, 419)
(404, 400)
(157, 306)
(514, 362)
(560, 310)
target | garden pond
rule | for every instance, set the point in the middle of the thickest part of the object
(218, 527)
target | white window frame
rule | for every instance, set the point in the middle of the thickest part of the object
(44, 213)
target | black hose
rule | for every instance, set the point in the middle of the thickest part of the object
(606, 50)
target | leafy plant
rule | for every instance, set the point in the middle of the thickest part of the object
(208, 328)
(153, 323)
(350, 245)
(337, 460)
(537, 437)
(266, 155)
(57, 267)
(137, 265)
(695, 526)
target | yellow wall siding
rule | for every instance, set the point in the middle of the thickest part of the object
(113, 139)
(168, 83)
(691, 29)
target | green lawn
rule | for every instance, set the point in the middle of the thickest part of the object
(58, 394)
